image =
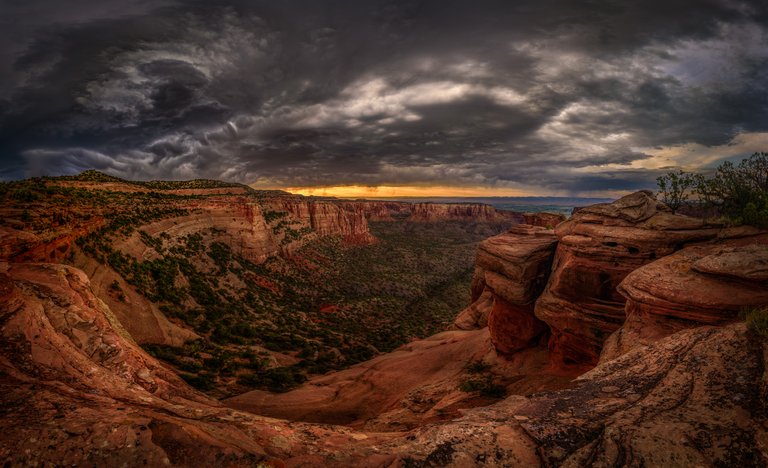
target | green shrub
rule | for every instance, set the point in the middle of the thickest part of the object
(485, 386)
(200, 381)
(757, 320)
(478, 367)
(675, 188)
(738, 192)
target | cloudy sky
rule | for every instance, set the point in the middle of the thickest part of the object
(474, 97)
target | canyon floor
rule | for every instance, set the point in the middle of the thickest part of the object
(207, 324)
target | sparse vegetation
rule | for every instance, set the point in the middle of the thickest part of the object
(675, 188)
(326, 306)
(482, 381)
(485, 386)
(757, 320)
(738, 192)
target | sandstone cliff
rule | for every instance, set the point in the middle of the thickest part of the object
(598, 247)
(699, 285)
(430, 212)
(511, 270)
(378, 210)
(327, 218)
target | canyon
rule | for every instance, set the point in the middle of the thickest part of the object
(611, 338)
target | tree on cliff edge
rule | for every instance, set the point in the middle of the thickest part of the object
(675, 188)
(738, 192)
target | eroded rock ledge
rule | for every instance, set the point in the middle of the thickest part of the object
(699, 285)
(511, 269)
(598, 247)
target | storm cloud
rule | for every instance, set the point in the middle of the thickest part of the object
(557, 96)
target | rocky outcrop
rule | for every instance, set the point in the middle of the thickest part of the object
(599, 246)
(476, 314)
(14, 242)
(543, 219)
(76, 390)
(511, 269)
(699, 285)
(71, 335)
(666, 405)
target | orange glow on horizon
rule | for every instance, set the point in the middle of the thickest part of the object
(390, 191)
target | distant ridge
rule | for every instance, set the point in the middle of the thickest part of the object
(92, 175)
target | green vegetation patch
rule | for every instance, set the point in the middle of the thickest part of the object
(739, 192)
(326, 307)
(757, 320)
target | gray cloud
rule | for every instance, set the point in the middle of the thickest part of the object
(505, 94)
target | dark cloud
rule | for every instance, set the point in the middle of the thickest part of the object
(557, 96)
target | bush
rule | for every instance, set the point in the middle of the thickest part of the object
(484, 386)
(757, 320)
(738, 192)
(675, 188)
(478, 367)
(201, 381)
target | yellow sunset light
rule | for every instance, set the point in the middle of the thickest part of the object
(385, 191)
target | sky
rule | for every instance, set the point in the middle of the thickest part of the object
(384, 98)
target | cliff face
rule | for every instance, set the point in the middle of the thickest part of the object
(328, 218)
(463, 212)
(375, 210)
(542, 219)
(52, 246)
(598, 247)
(511, 270)
(430, 212)
(587, 298)
(699, 285)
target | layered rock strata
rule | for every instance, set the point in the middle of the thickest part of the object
(511, 269)
(328, 218)
(598, 247)
(376, 210)
(699, 285)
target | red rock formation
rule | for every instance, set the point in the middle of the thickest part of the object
(75, 389)
(476, 314)
(547, 220)
(699, 285)
(511, 270)
(599, 246)
(377, 210)
(328, 218)
(14, 242)
(431, 212)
